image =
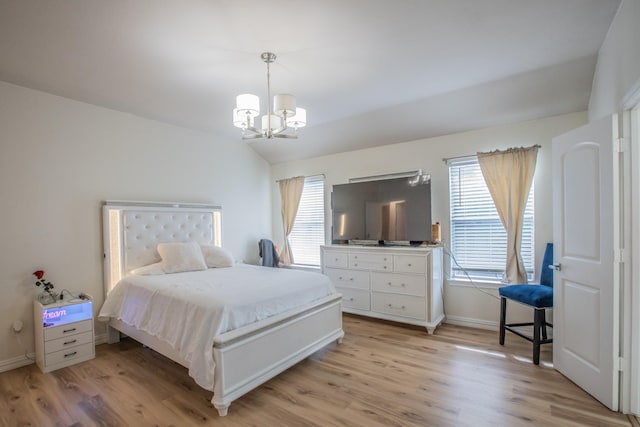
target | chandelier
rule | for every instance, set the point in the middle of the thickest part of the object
(275, 124)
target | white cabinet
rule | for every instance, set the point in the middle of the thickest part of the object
(403, 284)
(64, 333)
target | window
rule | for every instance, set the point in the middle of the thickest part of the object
(478, 239)
(307, 234)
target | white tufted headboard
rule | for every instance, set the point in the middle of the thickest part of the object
(132, 231)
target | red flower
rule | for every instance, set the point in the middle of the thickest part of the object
(39, 274)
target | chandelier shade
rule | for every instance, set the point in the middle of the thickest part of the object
(283, 116)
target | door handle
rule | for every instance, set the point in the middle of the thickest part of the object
(556, 267)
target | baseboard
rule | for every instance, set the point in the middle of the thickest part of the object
(17, 362)
(472, 323)
(20, 361)
(101, 339)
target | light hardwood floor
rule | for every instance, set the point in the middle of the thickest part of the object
(383, 374)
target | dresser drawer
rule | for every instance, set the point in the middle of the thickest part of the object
(68, 342)
(69, 354)
(406, 284)
(409, 264)
(375, 262)
(336, 259)
(69, 329)
(348, 278)
(354, 298)
(399, 305)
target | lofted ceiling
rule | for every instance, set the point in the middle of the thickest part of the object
(369, 72)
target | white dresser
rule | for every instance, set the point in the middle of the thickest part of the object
(403, 284)
(64, 333)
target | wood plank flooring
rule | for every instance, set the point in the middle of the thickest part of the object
(383, 374)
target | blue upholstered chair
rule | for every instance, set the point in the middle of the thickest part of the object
(537, 296)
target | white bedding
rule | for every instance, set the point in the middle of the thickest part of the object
(187, 310)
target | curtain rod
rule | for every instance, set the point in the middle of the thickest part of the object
(448, 159)
(309, 176)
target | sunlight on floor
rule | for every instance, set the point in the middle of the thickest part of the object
(503, 355)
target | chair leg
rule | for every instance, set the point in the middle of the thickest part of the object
(537, 320)
(543, 320)
(503, 318)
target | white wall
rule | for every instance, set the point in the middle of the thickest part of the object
(463, 305)
(618, 68)
(60, 158)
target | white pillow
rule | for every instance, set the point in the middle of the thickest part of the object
(216, 257)
(178, 257)
(149, 270)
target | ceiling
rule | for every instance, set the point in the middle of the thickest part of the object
(369, 72)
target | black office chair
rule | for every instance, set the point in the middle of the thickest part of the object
(537, 296)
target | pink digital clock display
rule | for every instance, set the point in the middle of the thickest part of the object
(55, 316)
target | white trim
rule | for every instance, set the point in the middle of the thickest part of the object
(632, 99)
(631, 395)
(101, 338)
(17, 362)
(471, 322)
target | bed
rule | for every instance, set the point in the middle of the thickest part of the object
(221, 359)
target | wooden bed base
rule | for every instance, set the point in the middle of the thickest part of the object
(247, 357)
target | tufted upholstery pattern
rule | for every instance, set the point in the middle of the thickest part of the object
(143, 230)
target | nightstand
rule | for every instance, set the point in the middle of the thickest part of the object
(64, 333)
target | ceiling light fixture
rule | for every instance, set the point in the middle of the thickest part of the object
(285, 114)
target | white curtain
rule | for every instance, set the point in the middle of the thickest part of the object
(509, 175)
(290, 193)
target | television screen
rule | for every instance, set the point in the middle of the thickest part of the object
(390, 210)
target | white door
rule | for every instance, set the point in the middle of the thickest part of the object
(585, 306)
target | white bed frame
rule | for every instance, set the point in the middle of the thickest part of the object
(244, 358)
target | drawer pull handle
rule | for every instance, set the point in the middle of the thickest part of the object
(71, 354)
(395, 307)
(68, 330)
(401, 285)
(69, 342)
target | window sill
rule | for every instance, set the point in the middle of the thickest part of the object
(461, 283)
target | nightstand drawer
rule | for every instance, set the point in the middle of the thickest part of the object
(69, 329)
(406, 284)
(63, 356)
(336, 259)
(354, 298)
(399, 305)
(68, 342)
(348, 278)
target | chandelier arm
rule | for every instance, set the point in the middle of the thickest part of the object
(285, 135)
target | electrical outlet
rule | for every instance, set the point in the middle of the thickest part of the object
(17, 326)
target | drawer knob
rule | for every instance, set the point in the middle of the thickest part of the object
(351, 299)
(385, 259)
(336, 259)
(69, 342)
(385, 267)
(340, 278)
(71, 354)
(355, 265)
(351, 279)
(409, 265)
(64, 331)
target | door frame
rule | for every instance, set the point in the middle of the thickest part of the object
(630, 334)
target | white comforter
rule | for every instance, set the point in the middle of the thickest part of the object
(187, 310)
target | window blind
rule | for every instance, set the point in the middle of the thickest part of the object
(478, 239)
(307, 234)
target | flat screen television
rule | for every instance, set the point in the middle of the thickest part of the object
(389, 211)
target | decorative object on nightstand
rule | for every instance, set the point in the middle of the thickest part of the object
(63, 332)
(47, 296)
